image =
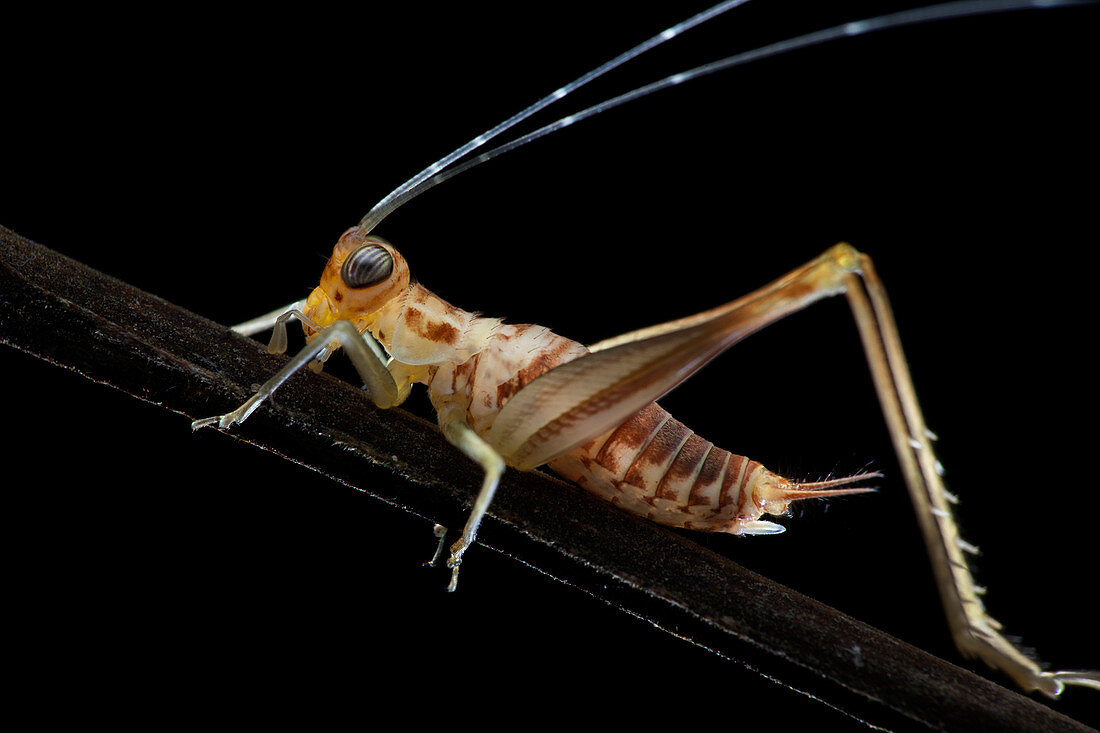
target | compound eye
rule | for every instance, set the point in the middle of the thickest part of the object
(367, 266)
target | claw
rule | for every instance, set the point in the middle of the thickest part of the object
(222, 421)
(204, 422)
(453, 563)
(1053, 684)
(458, 549)
(228, 419)
(441, 534)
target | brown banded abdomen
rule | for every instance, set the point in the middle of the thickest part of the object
(654, 466)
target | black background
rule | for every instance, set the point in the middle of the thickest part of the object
(212, 159)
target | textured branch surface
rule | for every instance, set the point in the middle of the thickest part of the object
(63, 312)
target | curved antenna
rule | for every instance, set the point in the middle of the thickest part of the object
(439, 172)
(400, 195)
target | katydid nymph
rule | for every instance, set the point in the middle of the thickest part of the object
(522, 396)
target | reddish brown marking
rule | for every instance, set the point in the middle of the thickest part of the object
(413, 318)
(709, 475)
(592, 448)
(460, 375)
(630, 438)
(442, 332)
(731, 484)
(555, 353)
(430, 328)
(659, 452)
(683, 467)
(338, 296)
(517, 331)
(745, 495)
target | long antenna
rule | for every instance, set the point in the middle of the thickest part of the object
(401, 194)
(440, 171)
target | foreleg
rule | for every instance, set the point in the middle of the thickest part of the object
(365, 353)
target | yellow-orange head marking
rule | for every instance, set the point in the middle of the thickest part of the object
(363, 274)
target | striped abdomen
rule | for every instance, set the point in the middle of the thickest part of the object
(651, 464)
(654, 466)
